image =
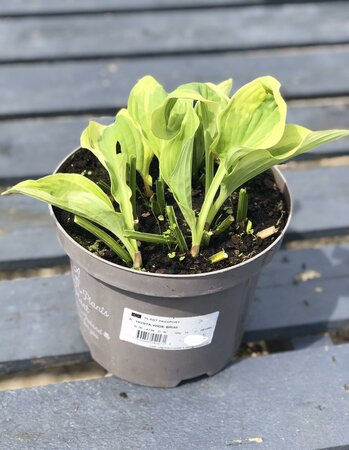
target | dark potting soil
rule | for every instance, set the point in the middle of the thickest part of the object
(266, 207)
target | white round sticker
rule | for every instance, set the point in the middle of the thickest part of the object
(195, 339)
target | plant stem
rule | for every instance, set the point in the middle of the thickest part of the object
(206, 238)
(104, 237)
(224, 225)
(202, 223)
(242, 206)
(103, 185)
(160, 194)
(209, 164)
(147, 237)
(217, 257)
(176, 230)
(137, 263)
(133, 184)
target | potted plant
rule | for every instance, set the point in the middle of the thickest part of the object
(168, 215)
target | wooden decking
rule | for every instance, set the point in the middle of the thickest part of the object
(63, 62)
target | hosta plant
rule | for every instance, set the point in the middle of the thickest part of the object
(195, 135)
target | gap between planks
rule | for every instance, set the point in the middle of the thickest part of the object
(266, 50)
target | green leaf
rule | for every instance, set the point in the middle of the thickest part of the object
(242, 164)
(297, 140)
(203, 92)
(254, 117)
(76, 194)
(66, 190)
(130, 138)
(90, 139)
(104, 237)
(225, 86)
(101, 141)
(120, 189)
(211, 99)
(179, 126)
(144, 98)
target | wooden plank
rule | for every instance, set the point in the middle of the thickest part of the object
(50, 140)
(307, 390)
(39, 320)
(27, 236)
(103, 86)
(319, 201)
(153, 33)
(34, 7)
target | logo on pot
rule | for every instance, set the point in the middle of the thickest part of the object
(83, 297)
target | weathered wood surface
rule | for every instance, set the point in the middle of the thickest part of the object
(43, 143)
(293, 400)
(175, 32)
(39, 320)
(27, 236)
(103, 86)
(25, 7)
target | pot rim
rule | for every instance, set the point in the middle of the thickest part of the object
(184, 275)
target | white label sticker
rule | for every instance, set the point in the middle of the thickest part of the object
(167, 333)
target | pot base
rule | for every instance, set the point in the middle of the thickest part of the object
(140, 356)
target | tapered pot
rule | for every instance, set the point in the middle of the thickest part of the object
(159, 329)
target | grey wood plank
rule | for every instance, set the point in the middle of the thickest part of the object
(31, 148)
(147, 33)
(307, 390)
(319, 200)
(39, 323)
(27, 236)
(103, 86)
(23, 7)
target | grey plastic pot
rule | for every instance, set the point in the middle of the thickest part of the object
(124, 314)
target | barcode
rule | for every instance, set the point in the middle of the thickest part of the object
(151, 337)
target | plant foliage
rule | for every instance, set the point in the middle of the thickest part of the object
(195, 133)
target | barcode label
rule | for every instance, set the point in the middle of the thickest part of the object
(167, 333)
(151, 337)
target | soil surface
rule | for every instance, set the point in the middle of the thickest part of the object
(266, 207)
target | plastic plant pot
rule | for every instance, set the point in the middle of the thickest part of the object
(159, 329)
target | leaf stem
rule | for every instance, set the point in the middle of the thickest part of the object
(160, 194)
(209, 164)
(217, 257)
(103, 185)
(224, 225)
(104, 237)
(202, 222)
(147, 237)
(133, 183)
(176, 230)
(242, 206)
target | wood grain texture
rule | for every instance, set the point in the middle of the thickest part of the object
(103, 86)
(39, 324)
(27, 234)
(307, 390)
(34, 148)
(23, 7)
(154, 33)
